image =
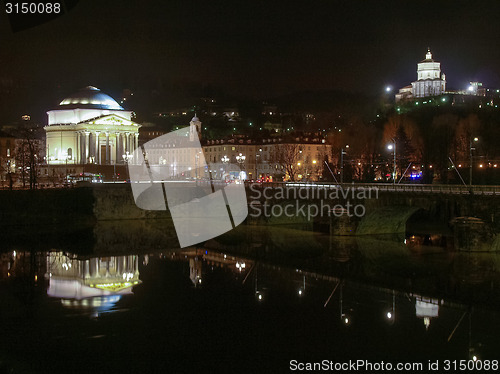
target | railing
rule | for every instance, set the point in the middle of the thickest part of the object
(388, 187)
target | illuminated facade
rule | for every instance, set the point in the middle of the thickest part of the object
(90, 127)
(260, 157)
(71, 278)
(177, 157)
(430, 81)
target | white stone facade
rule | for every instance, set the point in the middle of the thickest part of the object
(430, 81)
(90, 127)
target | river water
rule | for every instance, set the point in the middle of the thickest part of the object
(114, 298)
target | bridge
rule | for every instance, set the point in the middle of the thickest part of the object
(382, 208)
(471, 212)
(389, 187)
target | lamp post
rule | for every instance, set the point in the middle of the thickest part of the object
(225, 161)
(126, 157)
(391, 314)
(240, 159)
(471, 148)
(65, 157)
(392, 147)
(342, 153)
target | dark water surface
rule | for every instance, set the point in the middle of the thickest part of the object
(114, 300)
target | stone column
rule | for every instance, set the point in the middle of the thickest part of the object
(107, 149)
(93, 267)
(86, 273)
(136, 145)
(87, 146)
(124, 144)
(117, 147)
(82, 148)
(77, 155)
(97, 150)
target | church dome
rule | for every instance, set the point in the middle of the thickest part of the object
(92, 98)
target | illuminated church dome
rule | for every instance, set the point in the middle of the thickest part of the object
(92, 98)
(89, 127)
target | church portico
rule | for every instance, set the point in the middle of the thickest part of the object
(104, 139)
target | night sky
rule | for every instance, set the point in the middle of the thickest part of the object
(254, 48)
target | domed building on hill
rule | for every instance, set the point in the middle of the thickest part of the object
(430, 81)
(90, 127)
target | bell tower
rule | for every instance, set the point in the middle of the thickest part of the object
(194, 128)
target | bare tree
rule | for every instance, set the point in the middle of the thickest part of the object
(286, 157)
(28, 155)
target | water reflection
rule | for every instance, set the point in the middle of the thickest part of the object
(285, 291)
(426, 308)
(94, 283)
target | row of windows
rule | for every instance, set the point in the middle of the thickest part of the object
(261, 149)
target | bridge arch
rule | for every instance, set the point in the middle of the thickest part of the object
(386, 220)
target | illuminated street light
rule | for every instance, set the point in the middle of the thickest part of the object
(471, 148)
(392, 147)
(240, 159)
(342, 153)
(126, 157)
(391, 314)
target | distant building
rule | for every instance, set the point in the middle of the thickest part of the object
(306, 153)
(430, 81)
(90, 127)
(273, 127)
(476, 89)
(171, 155)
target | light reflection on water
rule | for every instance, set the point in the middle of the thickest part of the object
(278, 292)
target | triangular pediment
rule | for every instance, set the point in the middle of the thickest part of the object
(110, 120)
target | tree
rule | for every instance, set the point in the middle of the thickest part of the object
(467, 129)
(28, 155)
(438, 144)
(286, 157)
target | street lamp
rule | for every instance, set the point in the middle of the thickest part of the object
(392, 147)
(391, 314)
(342, 153)
(225, 161)
(65, 157)
(240, 159)
(126, 157)
(471, 148)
